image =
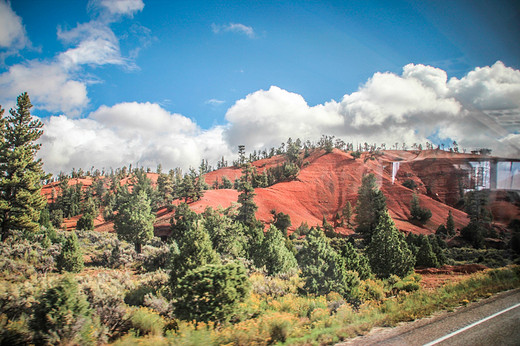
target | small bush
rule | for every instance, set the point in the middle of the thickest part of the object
(61, 315)
(211, 292)
(85, 222)
(145, 321)
(409, 183)
(153, 258)
(371, 290)
(71, 257)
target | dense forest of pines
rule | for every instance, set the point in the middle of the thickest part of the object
(217, 269)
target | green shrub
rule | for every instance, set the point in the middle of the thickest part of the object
(153, 258)
(371, 290)
(211, 292)
(145, 321)
(15, 332)
(85, 222)
(105, 293)
(71, 257)
(61, 315)
(409, 183)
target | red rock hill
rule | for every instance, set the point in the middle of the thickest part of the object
(327, 182)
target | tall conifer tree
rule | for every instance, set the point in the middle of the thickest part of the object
(371, 206)
(20, 172)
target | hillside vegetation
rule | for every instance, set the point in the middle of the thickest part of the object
(313, 242)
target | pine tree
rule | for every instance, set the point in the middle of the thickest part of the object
(323, 269)
(247, 209)
(450, 224)
(425, 256)
(71, 257)
(416, 212)
(281, 221)
(388, 252)
(20, 173)
(134, 221)
(355, 261)
(85, 222)
(195, 250)
(347, 213)
(371, 206)
(274, 253)
(61, 314)
(227, 236)
(211, 292)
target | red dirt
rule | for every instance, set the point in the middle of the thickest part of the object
(437, 277)
(328, 181)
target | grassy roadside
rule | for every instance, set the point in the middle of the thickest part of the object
(412, 306)
(309, 320)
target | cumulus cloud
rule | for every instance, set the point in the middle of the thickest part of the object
(234, 27)
(12, 32)
(137, 133)
(266, 117)
(410, 107)
(480, 110)
(57, 84)
(49, 84)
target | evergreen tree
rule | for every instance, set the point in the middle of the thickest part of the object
(323, 269)
(347, 213)
(274, 254)
(211, 292)
(247, 209)
(85, 223)
(195, 250)
(437, 246)
(226, 183)
(20, 173)
(227, 236)
(56, 218)
(425, 256)
(281, 221)
(134, 221)
(355, 261)
(183, 220)
(61, 314)
(70, 258)
(371, 206)
(417, 213)
(141, 182)
(450, 224)
(388, 252)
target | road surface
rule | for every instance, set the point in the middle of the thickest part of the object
(492, 321)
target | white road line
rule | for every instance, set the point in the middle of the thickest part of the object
(434, 342)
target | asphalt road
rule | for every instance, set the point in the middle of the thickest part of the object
(492, 321)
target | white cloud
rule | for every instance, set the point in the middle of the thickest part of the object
(137, 133)
(480, 110)
(58, 84)
(12, 32)
(111, 9)
(264, 118)
(388, 108)
(215, 102)
(50, 86)
(234, 27)
(94, 43)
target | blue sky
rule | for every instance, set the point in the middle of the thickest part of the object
(123, 73)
